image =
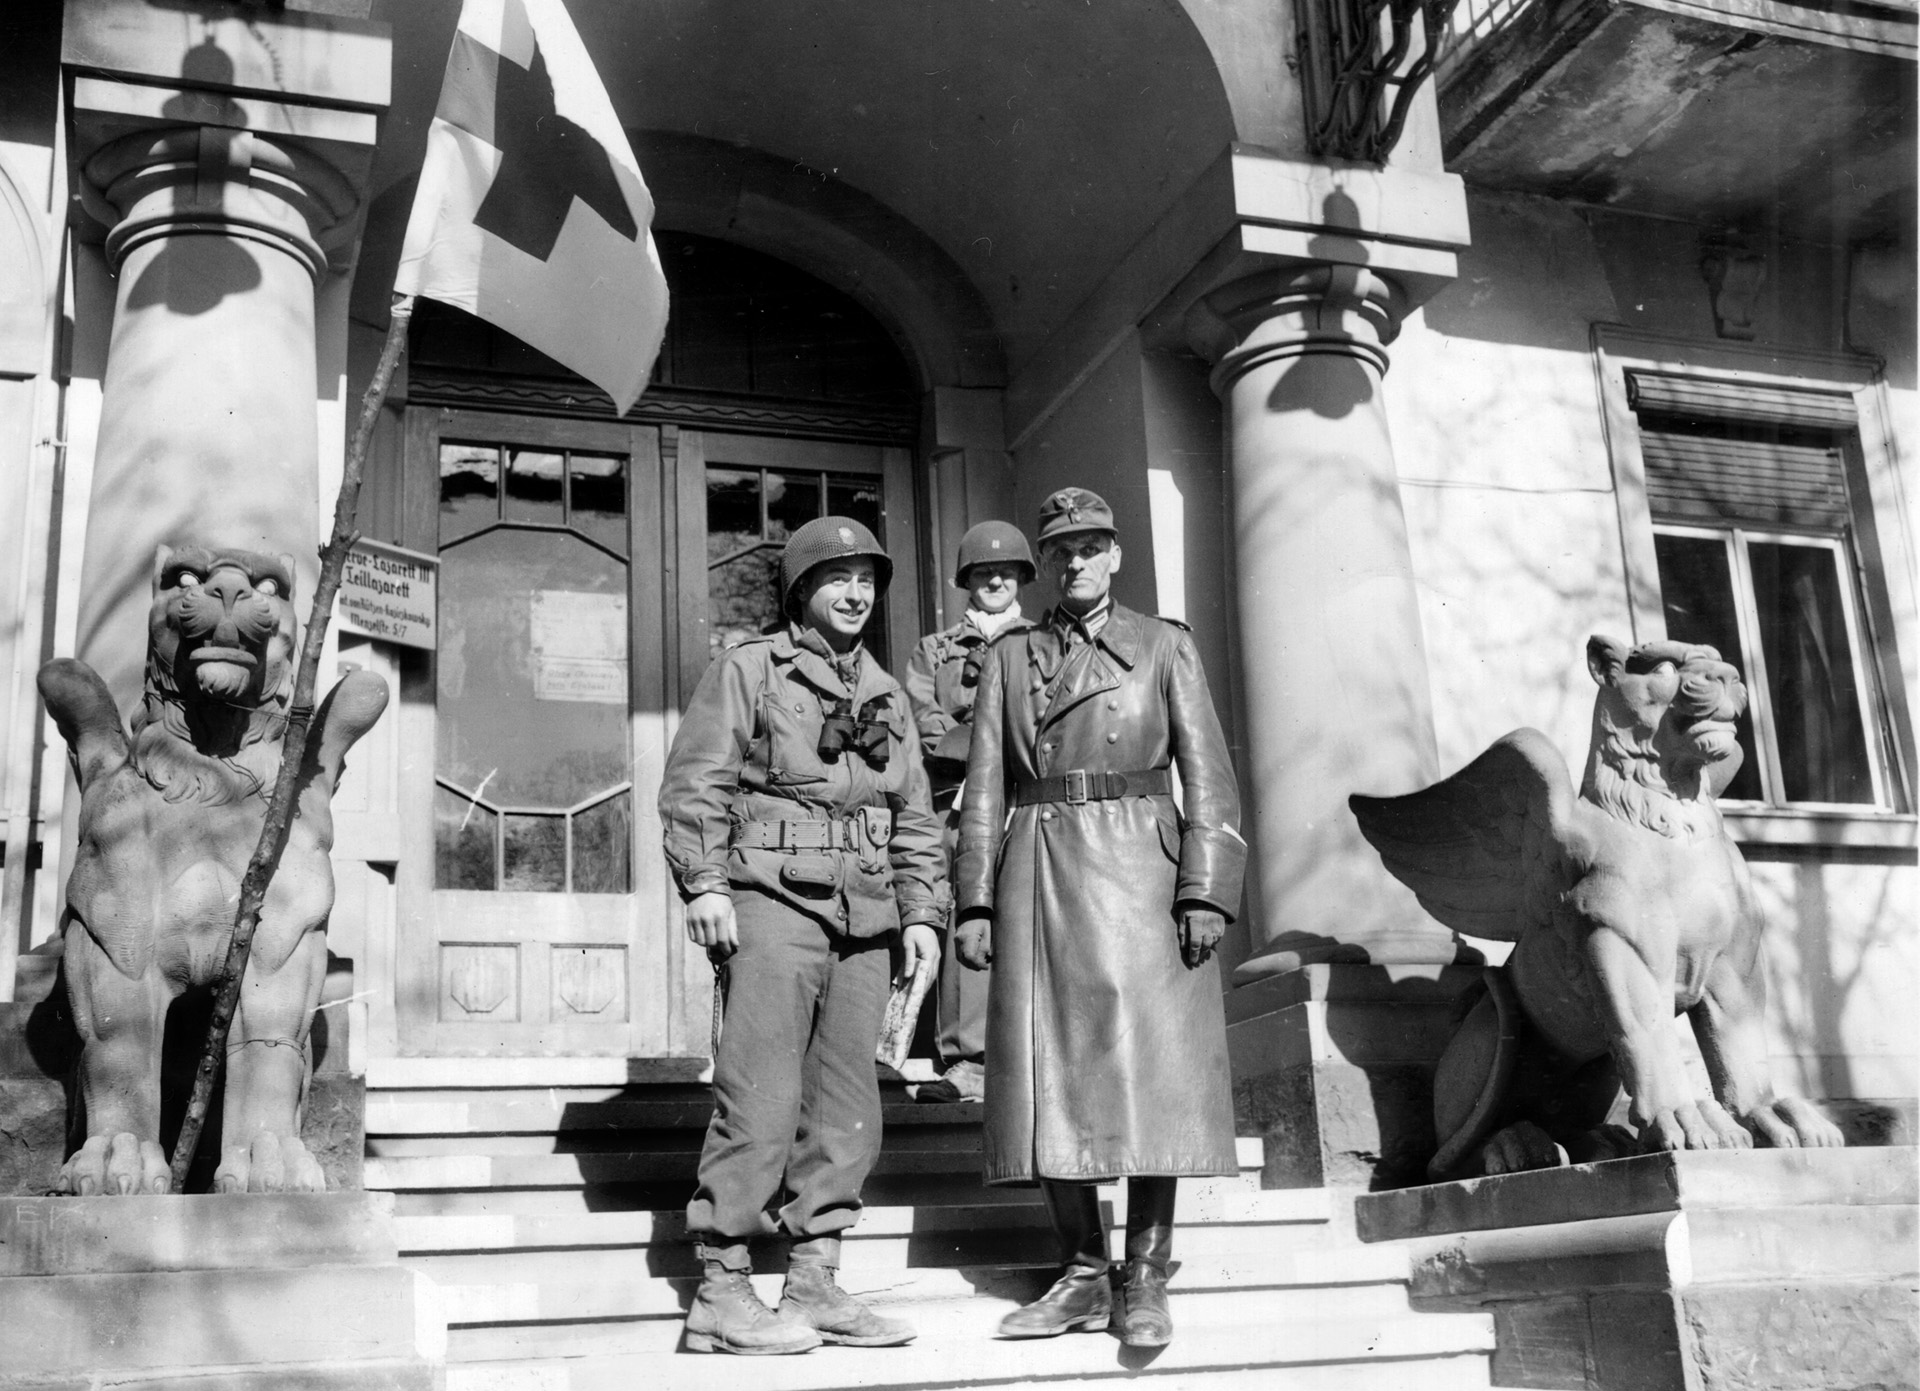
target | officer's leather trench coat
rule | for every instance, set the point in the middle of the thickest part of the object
(748, 750)
(1106, 1056)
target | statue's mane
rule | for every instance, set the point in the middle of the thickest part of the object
(165, 753)
(1625, 781)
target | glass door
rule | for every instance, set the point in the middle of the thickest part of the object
(743, 495)
(535, 914)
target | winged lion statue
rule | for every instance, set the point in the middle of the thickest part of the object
(1627, 903)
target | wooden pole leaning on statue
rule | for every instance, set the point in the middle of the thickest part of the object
(273, 832)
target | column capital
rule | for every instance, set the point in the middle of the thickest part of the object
(1290, 311)
(213, 179)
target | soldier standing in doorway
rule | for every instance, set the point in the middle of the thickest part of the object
(801, 837)
(1099, 903)
(993, 563)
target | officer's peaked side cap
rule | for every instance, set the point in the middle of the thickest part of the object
(1074, 510)
(830, 538)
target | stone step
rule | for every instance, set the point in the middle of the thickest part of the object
(481, 1074)
(927, 1190)
(1209, 1292)
(835, 1368)
(547, 1113)
(1303, 1210)
(475, 1171)
(1241, 1346)
(886, 1257)
(954, 1139)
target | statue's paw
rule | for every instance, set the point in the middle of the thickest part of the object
(1601, 1143)
(116, 1164)
(1792, 1123)
(270, 1164)
(1521, 1146)
(1696, 1125)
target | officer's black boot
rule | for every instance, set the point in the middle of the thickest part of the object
(727, 1316)
(1080, 1299)
(813, 1299)
(1145, 1321)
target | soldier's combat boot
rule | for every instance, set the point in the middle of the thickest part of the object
(727, 1316)
(1081, 1299)
(1142, 1315)
(813, 1299)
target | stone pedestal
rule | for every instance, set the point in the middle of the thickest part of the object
(1333, 1070)
(1755, 1270)
(257, 1291)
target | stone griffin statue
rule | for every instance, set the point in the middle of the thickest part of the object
(1627, 905)
(168, 821)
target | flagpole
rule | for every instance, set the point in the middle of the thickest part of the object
(273, 832)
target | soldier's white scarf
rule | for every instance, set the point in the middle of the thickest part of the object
(987, 624)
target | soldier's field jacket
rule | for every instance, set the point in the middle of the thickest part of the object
(942, 676)
(1105, 1054)
(748, 752)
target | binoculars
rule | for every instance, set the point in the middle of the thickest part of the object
(843, 730)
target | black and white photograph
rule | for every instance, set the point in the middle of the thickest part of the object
(1216, 695)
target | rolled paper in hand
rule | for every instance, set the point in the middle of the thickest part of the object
(903, 1012)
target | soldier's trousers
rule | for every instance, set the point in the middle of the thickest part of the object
(961, 1012)
(795, 1096)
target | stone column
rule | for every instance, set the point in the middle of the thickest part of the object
(1342, 1007)
(1334, 667)
(208, 425)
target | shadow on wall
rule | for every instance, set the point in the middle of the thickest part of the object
(195, 274)
(1330, 385)
(1835, 926)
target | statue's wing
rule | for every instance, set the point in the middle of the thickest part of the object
(1489, 850)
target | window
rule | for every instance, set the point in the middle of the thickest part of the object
(750, 514)
(533, 786)
(1753, 541)
(1781, 609)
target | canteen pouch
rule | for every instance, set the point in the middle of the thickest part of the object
(811, 876)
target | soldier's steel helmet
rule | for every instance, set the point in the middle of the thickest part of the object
(993, 543)
(830, 538)
(1073, 510)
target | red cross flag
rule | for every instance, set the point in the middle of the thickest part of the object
(531, 212)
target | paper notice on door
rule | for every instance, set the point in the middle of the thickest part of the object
(579, 643)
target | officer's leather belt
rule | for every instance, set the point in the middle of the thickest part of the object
(797, 835)
(1080, 786)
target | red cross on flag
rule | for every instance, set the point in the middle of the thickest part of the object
(531, 212)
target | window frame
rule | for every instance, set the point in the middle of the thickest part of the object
(1758, 678)
(1877, 559)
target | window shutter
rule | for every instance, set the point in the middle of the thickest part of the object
(1703, 478)
(1703, 398)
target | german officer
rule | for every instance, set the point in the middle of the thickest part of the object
(941, 678)
(801, 837)
(1105, 1036)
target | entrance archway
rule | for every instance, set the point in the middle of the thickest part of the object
(589, 568)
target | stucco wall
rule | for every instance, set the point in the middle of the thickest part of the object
(1495, 410)
(1097, 440)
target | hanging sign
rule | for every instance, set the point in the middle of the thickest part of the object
(388, 593)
